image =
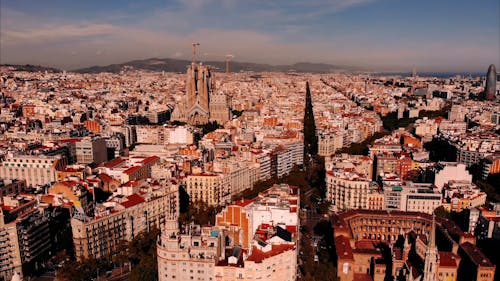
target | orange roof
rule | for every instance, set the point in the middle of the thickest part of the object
(343, 247)
(133, 200)
(105, 177)
(243, 203)
(448, 259)
(258, 256)
(362, 277)
(113, 163)
(132, 170)
(150, 159)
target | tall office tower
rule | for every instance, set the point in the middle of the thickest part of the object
(490, 89)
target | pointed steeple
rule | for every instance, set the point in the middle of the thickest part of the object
(431, 255)
(432, 238)
(406, 247)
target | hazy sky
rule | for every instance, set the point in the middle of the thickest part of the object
(430, 35)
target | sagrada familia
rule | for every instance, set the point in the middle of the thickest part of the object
(202, 104)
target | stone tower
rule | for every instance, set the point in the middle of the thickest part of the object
(431, 256)
(198, 90)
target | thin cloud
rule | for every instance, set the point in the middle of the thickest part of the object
(267, 32)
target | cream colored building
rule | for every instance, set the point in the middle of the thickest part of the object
(121, 219)
(10, 255)
(252, 240)
(347, 190)
(190, 254)
(220, 108)
(205, 187)
(36, 170)
(91, 150)
(329, 143)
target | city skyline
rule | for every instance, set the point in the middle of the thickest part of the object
(383, 35)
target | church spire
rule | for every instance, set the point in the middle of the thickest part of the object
(432, 239)
(431, 255)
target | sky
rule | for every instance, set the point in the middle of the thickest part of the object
(380, 35)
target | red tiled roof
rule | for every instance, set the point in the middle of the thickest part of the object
(69, 140)
(476, 256)
(364, 244)
(447, 259)
(258, 256)
(113, 163)
(291, 228)
(133, 200)
(105, 177)
(132, 170)
(150, 159)
(343, 247)
(242, 203)
(362, 277)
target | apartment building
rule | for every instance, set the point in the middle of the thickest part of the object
(34, 169)
(348, 190)
(91, 150)
(205, 187)
(252, 240)
(122, 218)
(411, 197)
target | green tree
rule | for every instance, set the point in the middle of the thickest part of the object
(142, 255)
(209, 127)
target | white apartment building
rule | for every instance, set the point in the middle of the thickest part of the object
(164, 135)
(190, 254)
(284, 161)
(451, 171)
(9, 249)
(411, 197)
(263, 159)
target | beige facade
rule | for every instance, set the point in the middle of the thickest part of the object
(329, 143)
(219, 108)
(99, 236)
(188, 255)
(205, 187)
(229, 250)
(36, 170)
(10, 255)
(347, 190)
(91, 151)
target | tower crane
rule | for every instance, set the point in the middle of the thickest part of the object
(195, 45)
(227, 58)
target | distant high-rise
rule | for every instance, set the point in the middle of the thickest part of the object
(490, 89)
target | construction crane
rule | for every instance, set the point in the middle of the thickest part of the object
(227, 58)
(194, 51)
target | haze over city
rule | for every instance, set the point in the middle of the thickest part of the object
(250, 140)
(381, 35)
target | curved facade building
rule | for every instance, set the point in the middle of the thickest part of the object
(491, 77)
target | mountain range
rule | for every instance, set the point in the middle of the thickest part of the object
(178, 65)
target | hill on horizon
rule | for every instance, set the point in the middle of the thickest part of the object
(179, 65)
